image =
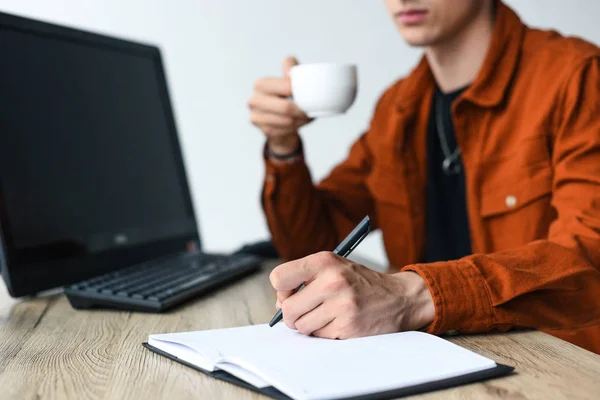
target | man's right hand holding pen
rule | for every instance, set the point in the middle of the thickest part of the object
(343, 300)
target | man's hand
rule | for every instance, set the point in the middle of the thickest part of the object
(274, 113)
(344, 300)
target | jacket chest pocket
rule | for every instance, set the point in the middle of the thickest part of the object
(517, 209)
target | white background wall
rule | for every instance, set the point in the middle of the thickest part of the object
(215, 49)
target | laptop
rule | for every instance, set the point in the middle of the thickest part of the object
(93, 189)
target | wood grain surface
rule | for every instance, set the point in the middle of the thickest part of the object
(48, 350)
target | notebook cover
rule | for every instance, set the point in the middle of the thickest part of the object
(498, 371)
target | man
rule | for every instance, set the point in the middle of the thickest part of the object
(481, 168)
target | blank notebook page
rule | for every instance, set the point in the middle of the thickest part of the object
(306, 367)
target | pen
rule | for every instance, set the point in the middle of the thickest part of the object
(343, 249)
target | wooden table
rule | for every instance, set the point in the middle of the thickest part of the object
(50, 351)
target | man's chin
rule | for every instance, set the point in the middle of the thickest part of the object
(415, 38)
(417, 42)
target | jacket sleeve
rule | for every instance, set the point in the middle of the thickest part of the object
(305, 218)
(553, 284)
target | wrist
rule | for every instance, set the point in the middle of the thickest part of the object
(420, 309)
(285, 146)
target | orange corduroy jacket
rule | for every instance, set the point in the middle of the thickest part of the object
(529, 131)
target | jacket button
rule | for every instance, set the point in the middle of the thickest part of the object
(511, 201)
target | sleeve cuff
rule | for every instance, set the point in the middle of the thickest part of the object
(460, 297)
(280, 170)
(297, 158)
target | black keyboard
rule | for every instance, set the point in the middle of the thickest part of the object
(157, 285)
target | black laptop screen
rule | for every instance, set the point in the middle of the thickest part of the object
(88, 157)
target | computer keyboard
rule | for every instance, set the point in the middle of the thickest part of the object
(157, 285)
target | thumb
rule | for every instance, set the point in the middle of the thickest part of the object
(288, 63)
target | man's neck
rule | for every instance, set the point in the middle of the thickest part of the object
(456, 62)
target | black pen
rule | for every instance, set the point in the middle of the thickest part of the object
(344, 249)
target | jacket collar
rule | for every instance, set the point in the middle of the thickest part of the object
(491, 83)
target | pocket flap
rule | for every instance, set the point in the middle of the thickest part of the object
(512, 197)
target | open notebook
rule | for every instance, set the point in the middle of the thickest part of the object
(283, 363)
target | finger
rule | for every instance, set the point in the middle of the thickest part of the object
(263, 119)
(288, 63)
(277, 86)
(315, 320)
(290, 275)
(329, 331)
(275, 105)
(303, 302)
(284, 294)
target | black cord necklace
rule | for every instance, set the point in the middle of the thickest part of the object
(451, 164)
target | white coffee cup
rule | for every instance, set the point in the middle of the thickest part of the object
(324, 89)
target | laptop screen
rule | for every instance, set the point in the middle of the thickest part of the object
(89, 158)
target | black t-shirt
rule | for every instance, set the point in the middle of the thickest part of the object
(447, 223)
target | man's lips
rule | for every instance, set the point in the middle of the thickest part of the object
(412, 16)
